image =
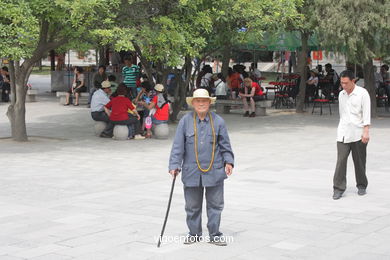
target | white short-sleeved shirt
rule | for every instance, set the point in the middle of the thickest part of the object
(315, 80)
(206, 79)
(355, 113)
(221, 89)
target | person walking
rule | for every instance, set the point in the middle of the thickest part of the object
(352, 134)
(202, 150)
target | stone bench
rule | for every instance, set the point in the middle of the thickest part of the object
(224, 106)
(83, 98)
(160, 131)
(121, 132)
(99, 127)
(31, 95)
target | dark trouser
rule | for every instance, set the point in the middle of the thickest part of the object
(311, 91)
(132, 121)
(359, 154)
(100, 116)
(132, 92)
(194, 200)
(255, 98)
(5, 95)
(387, 90)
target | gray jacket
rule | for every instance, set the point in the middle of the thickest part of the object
(183, 151)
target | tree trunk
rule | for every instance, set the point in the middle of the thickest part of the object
(102, 55)
(107, 55)
(369, 84)
(145, 63)
(181, 89)
(19, 74)
(162, 73)
(226, 55)
(294, 61)
(302, 62)
(17, 109)
(97, 57)
(52, 60)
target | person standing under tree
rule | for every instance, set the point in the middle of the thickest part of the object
(352, 134)
(130, 73)
(201, 148)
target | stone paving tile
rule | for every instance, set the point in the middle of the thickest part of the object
(286, 245)
(9, 257)
(368, 256)
(278, 202)
(39, 251)
(52, 256)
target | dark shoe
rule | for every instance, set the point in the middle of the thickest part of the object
(362, 191)
(246, 114)
(105, 135)
(253, 114)
(337, 194)
(218, 241)
(189, 240)
(67, 104)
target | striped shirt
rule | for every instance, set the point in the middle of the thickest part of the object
(130, 75)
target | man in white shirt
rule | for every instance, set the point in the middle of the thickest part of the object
(221, 89)
(352, 134)
(99, 100)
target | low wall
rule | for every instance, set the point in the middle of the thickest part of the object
(62, 80)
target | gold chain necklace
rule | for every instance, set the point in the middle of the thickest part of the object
(196, 144)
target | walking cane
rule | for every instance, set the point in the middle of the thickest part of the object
(166, 214)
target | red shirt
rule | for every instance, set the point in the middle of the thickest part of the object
(258, 90)
(119, 106)
(161, 113)
(235, 80)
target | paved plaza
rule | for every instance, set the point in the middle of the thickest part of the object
(67, 194)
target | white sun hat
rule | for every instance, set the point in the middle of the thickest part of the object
(159, 88)
(106, 84)
(200, 93)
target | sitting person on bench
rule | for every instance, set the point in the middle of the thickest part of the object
(312, 85)
(251, 92)
(100, 98)
(117, 110)
(77, 87)
(160, 104)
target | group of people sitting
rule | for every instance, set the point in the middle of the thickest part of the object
(238, 84)
(382, 82)
(131, 75)
(322, 84)
(151, 106)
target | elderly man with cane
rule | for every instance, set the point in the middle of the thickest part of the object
(202, 151)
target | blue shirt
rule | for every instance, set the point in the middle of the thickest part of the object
(183, 151)
(99, 100)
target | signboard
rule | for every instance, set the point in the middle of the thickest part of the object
(317, 55)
